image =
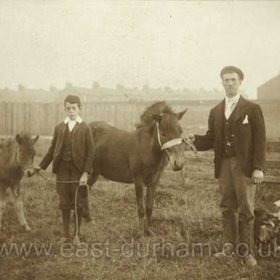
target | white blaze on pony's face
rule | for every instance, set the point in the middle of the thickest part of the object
(168, 130)
(25, 153)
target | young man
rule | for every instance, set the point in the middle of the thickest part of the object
(236, 131)
(71, 151)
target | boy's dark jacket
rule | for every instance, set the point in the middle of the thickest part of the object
(82, 147)
(249, 138)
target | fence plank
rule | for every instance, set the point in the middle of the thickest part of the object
(272, 164)
(273, 147)
(272, 179)
(199, 159)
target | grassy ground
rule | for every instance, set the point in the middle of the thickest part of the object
(184, 218)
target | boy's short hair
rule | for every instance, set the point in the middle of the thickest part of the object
(73, 99)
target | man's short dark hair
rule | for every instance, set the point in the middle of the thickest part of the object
(232, 69)
(73, 99)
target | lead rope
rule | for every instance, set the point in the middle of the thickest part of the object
(193, 148)
(76, 238)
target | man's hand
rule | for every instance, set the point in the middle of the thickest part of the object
(84, 179)
(257, 176)
(37, 169)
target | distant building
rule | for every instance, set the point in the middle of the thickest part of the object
(270, 89)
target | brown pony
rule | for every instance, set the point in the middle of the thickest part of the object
(137, 157)
(16, 159)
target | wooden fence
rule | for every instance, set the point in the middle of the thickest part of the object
(40, 118)
(206, 169)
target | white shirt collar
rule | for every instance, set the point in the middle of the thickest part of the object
(78, 119)
(232, 100)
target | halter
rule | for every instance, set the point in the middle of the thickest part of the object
(174, 142)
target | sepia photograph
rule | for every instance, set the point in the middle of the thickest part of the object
(139, 140)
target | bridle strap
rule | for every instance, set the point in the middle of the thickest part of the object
(158, 135)
(168, 144)
(174, 142)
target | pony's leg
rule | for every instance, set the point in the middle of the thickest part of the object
(86, 212)
(2, 204)
(150, 197)
(183, 176)
(139, 186)
(19, 206)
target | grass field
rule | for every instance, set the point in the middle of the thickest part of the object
(186, 224)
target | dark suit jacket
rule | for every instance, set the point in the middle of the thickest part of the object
(249, 139)
(82, 147)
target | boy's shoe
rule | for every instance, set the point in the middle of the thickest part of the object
(88, 220)
(227, 251)
(250, 261)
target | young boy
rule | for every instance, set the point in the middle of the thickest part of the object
(71, 151)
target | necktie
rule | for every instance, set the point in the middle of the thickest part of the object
(229, 109)
(71, 125)
(230, 103)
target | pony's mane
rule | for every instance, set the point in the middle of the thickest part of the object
(158, 108)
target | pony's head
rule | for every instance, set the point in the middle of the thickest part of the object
(25, 152)
(167, 132)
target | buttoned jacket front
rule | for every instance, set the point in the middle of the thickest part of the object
(249, 137)
(82, 147)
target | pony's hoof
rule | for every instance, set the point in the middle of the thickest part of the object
(140, 235)
(79, 241)
(89, 220)
(64, 240)
(149, 233)
(26, 228)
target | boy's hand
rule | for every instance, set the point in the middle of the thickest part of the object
(84, 179)
(37, 168)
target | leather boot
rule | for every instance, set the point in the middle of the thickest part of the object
(246, 242)
(230, 227)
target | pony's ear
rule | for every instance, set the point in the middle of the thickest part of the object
(157, 117)
(181, 114)
(35, 139)
(18, 138)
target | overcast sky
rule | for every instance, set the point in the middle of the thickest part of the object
(159, 43)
